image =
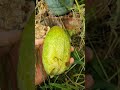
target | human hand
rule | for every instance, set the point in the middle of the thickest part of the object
(40, 74)
(9, 47)
(7, 39)
(89, 81)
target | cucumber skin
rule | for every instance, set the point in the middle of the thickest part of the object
(56, 51)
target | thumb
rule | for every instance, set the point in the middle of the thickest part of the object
(38, 42)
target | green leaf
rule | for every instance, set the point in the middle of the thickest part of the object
(26, 65)
(77, 57)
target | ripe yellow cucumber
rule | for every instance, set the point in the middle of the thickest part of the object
(56, 51)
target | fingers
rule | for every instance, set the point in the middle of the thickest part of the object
(72, 49)
(71, 60)
(9, 37)
(38, 42)
(40, 75)
(89, 81)
(88, 54)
